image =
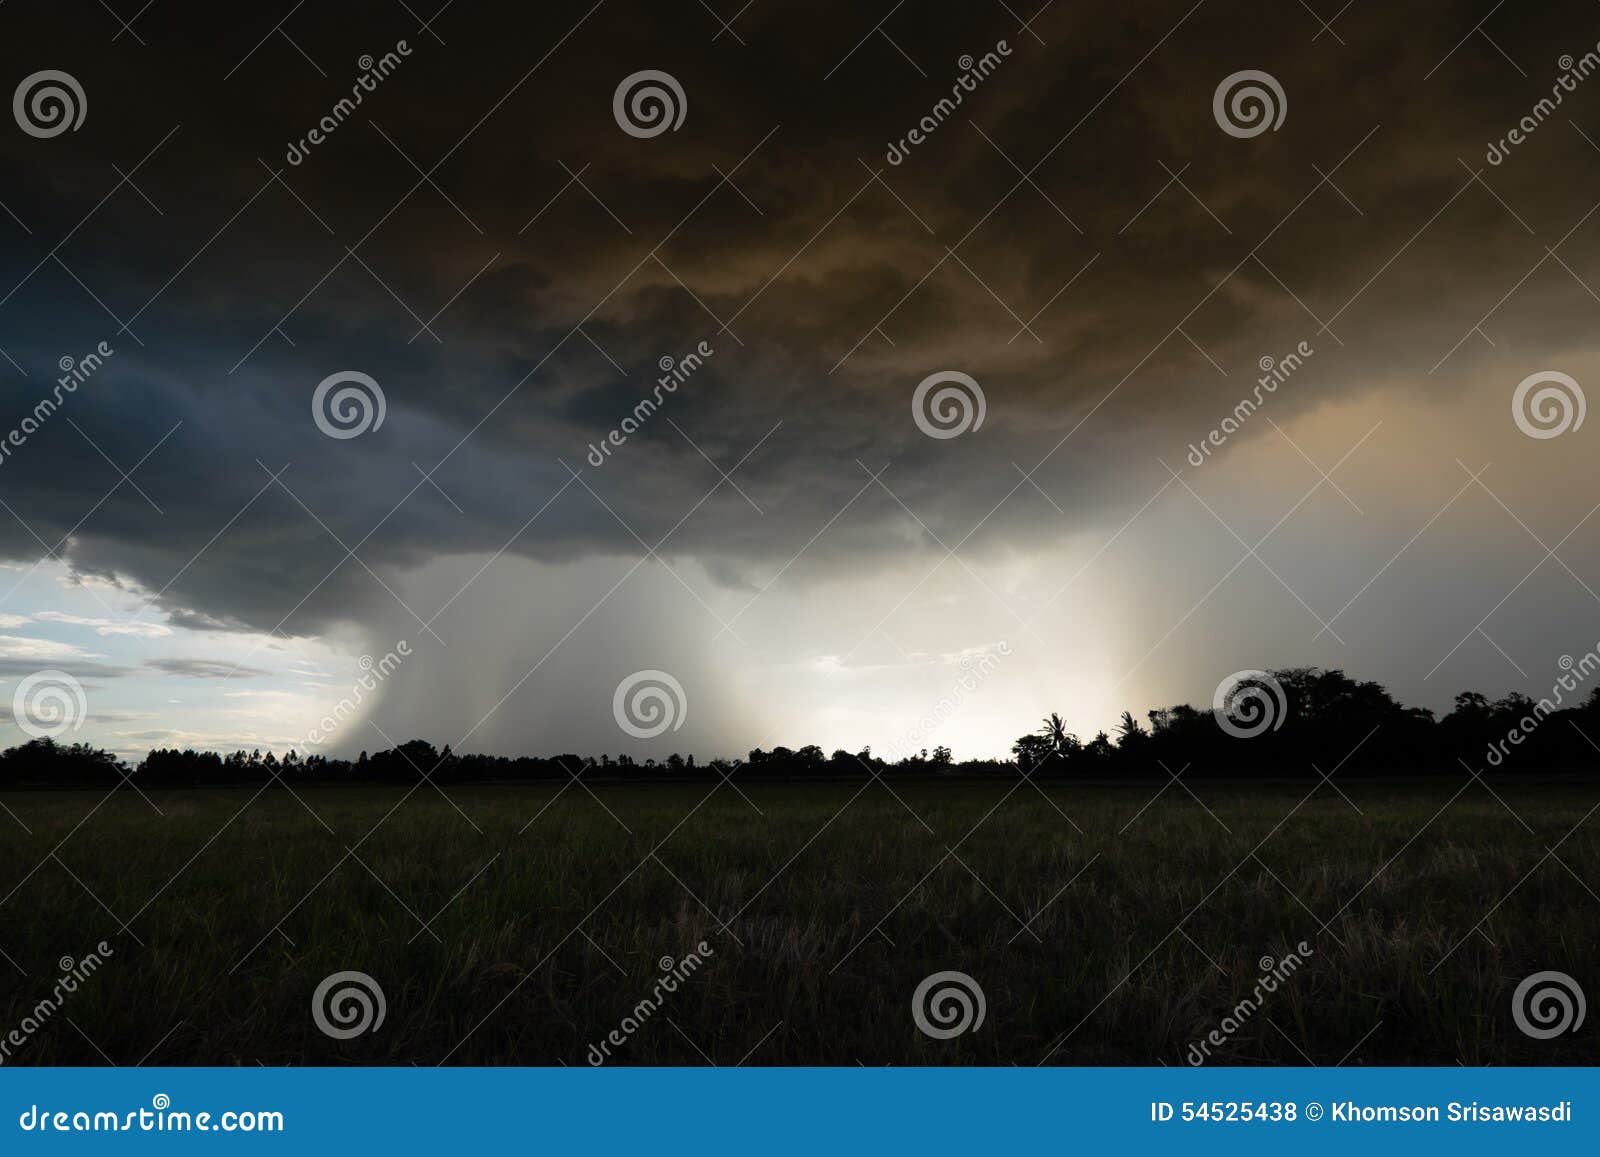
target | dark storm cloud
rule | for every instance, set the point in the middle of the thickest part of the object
(541, 215)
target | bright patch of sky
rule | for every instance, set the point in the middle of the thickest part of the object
(148, 683)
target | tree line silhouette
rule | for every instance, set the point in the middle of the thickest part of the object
(1323, 722)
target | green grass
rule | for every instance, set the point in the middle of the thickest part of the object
(554, 943)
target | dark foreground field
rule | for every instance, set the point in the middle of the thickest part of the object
(1102, 927)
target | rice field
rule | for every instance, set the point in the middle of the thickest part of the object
(528, 924)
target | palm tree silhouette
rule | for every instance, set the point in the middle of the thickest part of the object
(1055, 733)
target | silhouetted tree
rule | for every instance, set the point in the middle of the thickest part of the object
(1327, 720)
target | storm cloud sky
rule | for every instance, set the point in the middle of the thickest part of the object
(483, 239)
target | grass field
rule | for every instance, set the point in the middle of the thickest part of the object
(1145, 921)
